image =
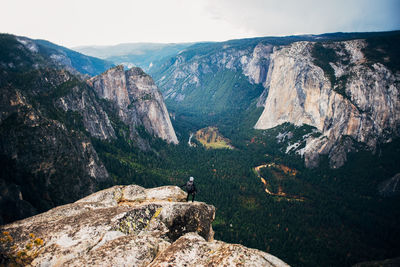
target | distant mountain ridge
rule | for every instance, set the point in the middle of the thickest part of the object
(51, 117)
(47, 52)
(142, 55)
(82, 63)
(228, 77)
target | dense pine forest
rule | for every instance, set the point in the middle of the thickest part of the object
(323, 217)
(264, 196)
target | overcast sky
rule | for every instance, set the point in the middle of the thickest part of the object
(106, 22)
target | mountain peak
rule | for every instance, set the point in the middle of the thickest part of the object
(138, 100)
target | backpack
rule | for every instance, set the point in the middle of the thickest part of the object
(190, 187)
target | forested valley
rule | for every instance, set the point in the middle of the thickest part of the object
(336, 219)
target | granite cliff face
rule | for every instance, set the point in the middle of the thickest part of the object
(211, 80)
(83, 101)
(137, 99)
(365, 108)
(349, 97)
(126, 226)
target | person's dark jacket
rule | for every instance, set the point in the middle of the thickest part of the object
(190, 187)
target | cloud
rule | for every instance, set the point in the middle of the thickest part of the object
(89, 22)
(285, 17)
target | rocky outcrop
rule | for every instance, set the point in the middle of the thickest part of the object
(192, 248)
(365, 109)
(95, 120)
(183, 80)
(256, 66)
(126, 226)
(354, 102)
(137, 99)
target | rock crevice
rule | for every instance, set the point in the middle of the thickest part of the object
(127, 226)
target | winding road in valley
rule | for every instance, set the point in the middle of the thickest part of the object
(190, 139)
(280, 193)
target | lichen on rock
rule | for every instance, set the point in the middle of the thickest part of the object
(130, 226)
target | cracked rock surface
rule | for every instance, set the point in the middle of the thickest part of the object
(129, 226)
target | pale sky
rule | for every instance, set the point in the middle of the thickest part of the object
(107, 22)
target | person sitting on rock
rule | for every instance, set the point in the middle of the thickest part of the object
(190, 188)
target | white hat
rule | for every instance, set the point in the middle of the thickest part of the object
(191, 179)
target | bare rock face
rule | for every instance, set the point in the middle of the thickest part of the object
(111, 85)
(255, 66)
(366, 111)
(126, 226)
(95, 119)
(192, 248)
(138, 100)
(188, 72)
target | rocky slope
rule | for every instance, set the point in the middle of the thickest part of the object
(138, 100)
(126, 226)
(359, 104)
(49, 117)
(46, 158)
(344, 86)
(208, 79)
(42, 51)
(221, 76)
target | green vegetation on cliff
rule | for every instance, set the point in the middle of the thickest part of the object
(340, 221)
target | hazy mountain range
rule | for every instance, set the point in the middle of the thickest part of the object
(316, 118)
(142, 55)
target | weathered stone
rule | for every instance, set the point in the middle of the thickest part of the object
(95, 119)
(368, 110)
(110, 197)
(138, 100)
(126, 226)
(123, 251)
(192, 250)
(170, 193)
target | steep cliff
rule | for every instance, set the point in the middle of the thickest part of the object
(344, 85)
(357, 103)
(49, 119)
(137, 99)
(47, 159)
(220, 77)
(209, 78)
(126, 226)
